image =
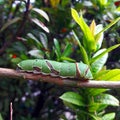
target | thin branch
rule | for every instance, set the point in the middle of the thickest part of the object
(10, 73)
(24, 19)
(11, 111)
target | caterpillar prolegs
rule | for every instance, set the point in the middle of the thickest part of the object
(79, 71)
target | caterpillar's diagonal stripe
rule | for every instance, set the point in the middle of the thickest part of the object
(52, 69)
(77, 70)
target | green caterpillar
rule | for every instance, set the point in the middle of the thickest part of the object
(79, 71)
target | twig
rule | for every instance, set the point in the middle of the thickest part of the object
(11, 111)
(24, 19)
(10, 73)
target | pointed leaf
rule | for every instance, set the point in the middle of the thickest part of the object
(75, 15)
(86, 113)
(57, 48)
(93, 107)
(67, 59)
(102, 107)
(103, 53)
(109, 116)
(98, 64)
(99, 38)
(107, 27)
(117, 11)
(31, 36)
(84, 55)
(73, 98)
(44, 40)
(92, 27)
(41, 12)
(107, 99)
(82, 50)
(89, 40)
(40, 24)
(94, 91)
(109, 75)
(71, 106)
(76, 38)
(10, 22)
(67, 50)
(95, 117)
(99, 75)
(36, 53)
(1, 117)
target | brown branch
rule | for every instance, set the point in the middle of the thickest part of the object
(10, 73)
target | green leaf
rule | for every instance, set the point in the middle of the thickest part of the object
(98, 107)
(95, 117)
(42, 13)
(102, 107)
(76, 38)
(93, 107)
(1, 117)
(107, 99)
(57, 48)
(107, 27)
(31, 36)
(75, 15)
(67, 50)
(99, 38)
(82, 50)
(1, 1)
(99, 75)
(117, 11)
(67, 59)
(109, 75)
(16, 60)
(94, 91)
(98, 64)
(73, 98)
(36, 53)
(84, 55)
(64, 3)
(40, 24)
(89, 40)
(103, 53)
(83, 115)
(43, 39)
(109, 116)
(10, 22)
(71, 106)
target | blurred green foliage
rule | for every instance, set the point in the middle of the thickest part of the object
(24, 35)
